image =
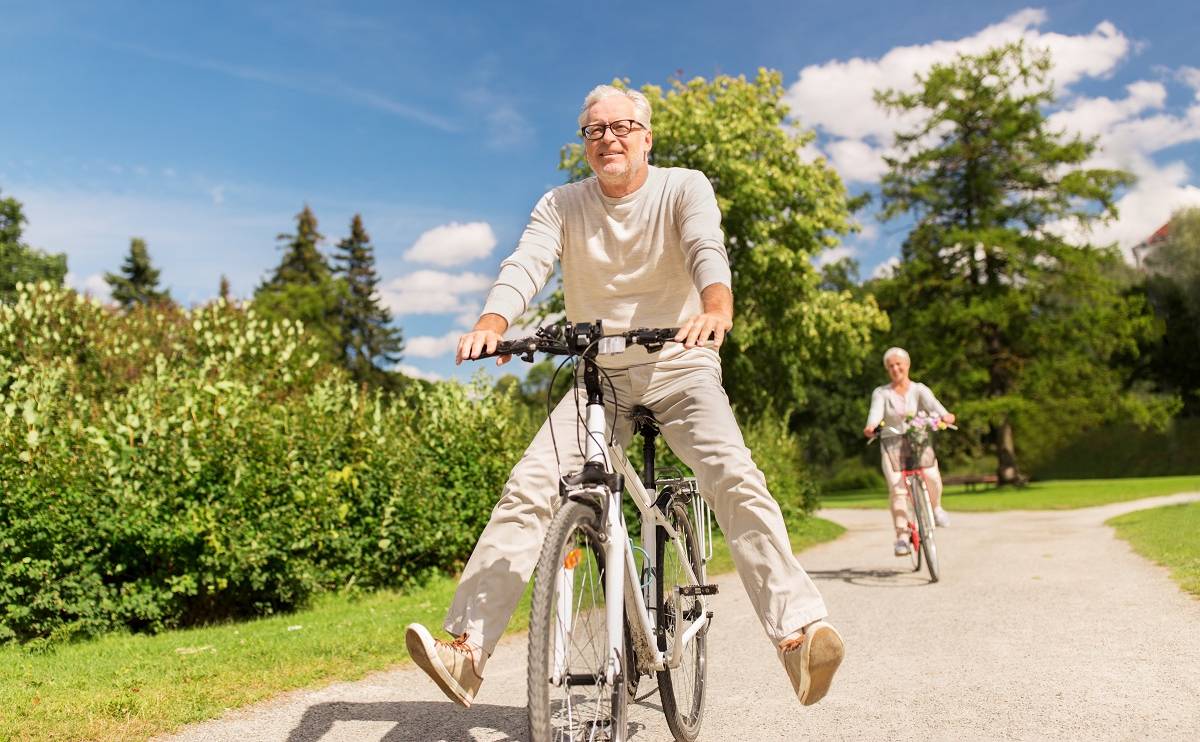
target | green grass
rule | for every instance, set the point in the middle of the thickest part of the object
(1166, 536)
(134, 687)
(1052, 495)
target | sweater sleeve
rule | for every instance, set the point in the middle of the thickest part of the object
(930, 403)
(525, 272)
(700, 235)
(875, 415)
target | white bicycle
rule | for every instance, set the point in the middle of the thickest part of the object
(599, 622)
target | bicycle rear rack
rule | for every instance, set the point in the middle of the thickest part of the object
(685, 488)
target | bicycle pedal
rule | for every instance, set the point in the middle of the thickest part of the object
(694, 590)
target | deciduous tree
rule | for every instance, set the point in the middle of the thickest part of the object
(20, 263)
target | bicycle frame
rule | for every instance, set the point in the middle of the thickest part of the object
(621, 572)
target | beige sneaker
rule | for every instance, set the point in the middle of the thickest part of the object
(811, 659)
(454, 666)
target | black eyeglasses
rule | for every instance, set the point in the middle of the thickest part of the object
(621, 129)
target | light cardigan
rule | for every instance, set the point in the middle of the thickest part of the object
(640, 260)
(887, 405)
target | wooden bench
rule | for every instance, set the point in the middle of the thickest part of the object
(971, 480)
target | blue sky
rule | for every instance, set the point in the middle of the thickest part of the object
(205, 127)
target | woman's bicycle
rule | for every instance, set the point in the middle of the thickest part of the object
(910, 452)
(599, 622)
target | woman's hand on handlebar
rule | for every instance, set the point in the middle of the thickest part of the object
(488, 332)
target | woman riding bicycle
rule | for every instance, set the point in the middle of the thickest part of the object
(892, 404)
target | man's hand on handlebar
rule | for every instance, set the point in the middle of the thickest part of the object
(488, 332)
(706, 329)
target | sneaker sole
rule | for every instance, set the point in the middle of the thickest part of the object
(421, 648)
(821, 653)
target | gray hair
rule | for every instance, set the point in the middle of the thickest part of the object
(896, 352)
(641, 104)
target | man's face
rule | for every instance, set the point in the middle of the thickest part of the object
(614, 158)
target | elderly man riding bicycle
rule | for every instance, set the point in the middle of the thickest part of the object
(639, 246)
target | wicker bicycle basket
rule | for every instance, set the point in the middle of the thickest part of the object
(901, 452)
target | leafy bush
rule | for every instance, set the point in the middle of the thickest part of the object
(161, 468)
(854, 474)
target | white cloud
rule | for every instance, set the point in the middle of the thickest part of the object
(833, 255)
(1146, 207)
(857, 161)
(93, 285)
(416, 373)
(432, 347)
(837, 98)
(1190, 76)
(433, 292)
(218, 195)
(886, 269)
(453, 244)
(854, 133)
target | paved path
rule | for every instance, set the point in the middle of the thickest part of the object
(1044, 627)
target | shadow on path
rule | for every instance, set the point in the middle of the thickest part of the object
(416, 721)
(424, 721)
(873, 577)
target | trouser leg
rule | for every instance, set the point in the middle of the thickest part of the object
(897, 497)
(507, 551)
(698, 424)
(933, 478)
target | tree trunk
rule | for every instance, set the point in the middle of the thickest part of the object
(1006, 455)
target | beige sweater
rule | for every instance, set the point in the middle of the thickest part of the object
(636, 261)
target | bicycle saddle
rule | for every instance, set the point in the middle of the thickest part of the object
(643, 417)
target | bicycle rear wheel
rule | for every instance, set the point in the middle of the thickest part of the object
(569, 698)
(925, 528)
(681, 688)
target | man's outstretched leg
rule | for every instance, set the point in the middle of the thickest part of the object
(504, 557)
(697, 422)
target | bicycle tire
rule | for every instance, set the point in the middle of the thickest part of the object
(925, 528)
(561, 712)
(681, 690)
(914, 544)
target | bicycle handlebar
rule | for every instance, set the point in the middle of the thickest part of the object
(582, 338)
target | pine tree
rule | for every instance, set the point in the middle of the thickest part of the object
(303, 287)
(137, 283)
(1018, 329)
(223, 290)
(367, 335)
(302, 263)
(20, 263)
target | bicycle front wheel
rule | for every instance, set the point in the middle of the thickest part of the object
(925, 528)
(681, 688)
(569, 695)
(914, 534)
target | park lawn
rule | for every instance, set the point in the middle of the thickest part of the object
(1155, 534)
(1064, 494)
(134, 687)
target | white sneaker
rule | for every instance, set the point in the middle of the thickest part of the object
(902, 547)
(941, 518)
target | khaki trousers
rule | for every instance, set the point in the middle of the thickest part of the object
(696, 420)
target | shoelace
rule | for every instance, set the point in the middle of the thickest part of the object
(461, 646)
(789, 645)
